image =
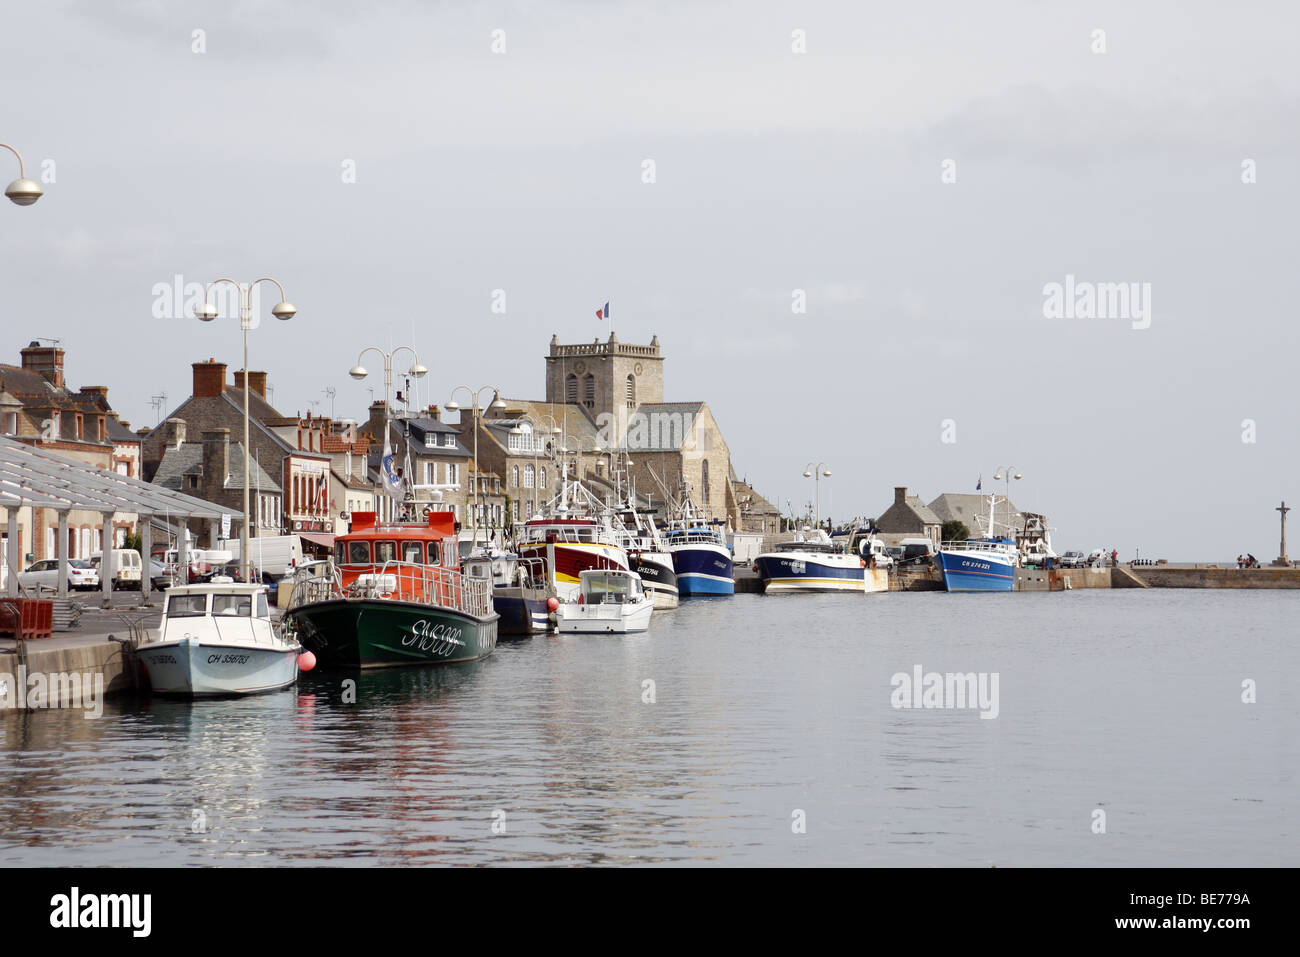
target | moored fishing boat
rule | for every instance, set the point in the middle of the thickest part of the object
(813, 562)
(646, 554)
(394, 595)
(979, 564)
(521, 590)
(610, 601)
(216, 641)
(571, 536)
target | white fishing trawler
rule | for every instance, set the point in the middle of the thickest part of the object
(218, 640)
(610, 601)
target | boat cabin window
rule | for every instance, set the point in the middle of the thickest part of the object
(610, 588)
(433, 554)
(186, 606)
(385, 552)
(238, 606)
(358, 553)
(413, 552)
(263, 609)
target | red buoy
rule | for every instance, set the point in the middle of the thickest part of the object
(306, 661)
(552, 603)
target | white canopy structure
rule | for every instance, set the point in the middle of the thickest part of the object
(31, 477)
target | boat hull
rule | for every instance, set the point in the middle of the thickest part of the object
(604, 619)
(191, 669)
(793, 572)
(657, 576)
(703, 570)
(974, 571)
(351, 633)
(520, 615)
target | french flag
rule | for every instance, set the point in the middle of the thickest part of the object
(603, 313)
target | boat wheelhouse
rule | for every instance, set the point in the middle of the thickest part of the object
(394, 595)
(521, 590)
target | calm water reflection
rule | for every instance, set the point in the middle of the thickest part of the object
(1125, 701)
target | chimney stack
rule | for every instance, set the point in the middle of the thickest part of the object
(435, 413)
(209, 379)
(900, 495)
(256, 382)
(216, 459)
(45, 361)
(174, 434)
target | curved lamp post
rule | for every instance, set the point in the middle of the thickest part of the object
(453, 406)
(815, 473)
(283, 310)
(359, 372)
(22, 191)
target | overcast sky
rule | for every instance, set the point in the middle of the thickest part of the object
(775, 171)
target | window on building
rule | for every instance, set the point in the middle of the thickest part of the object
(589, 391)
(704, 481)
(11, 423)
(541, 477)
(631, 392)
(430, 473)
(453, 473)
(449, 440)
(530, 477)
(571, 389)
(514, 476)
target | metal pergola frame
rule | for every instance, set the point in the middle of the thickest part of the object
(31, 477)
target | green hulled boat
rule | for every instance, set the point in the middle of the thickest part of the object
(393, 595)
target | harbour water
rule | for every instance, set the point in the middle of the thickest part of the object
(767, 713)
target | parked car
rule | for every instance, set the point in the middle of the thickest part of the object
(1097, 558)
(127, 567)
(1071, 560)
(232, 572)
(160, 576)
(82, 576)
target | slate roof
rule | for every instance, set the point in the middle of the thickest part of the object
(188, 460)
(968, 507)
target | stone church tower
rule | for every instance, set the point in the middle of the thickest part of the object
(605, 377)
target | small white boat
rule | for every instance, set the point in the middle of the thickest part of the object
(216, 640)
(610, 601)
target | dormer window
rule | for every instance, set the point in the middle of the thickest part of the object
(449, 441)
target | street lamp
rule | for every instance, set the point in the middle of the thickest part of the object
(453, 406)
(283, 310)
(22, 191)
(815, 473)
(416, 371)
(998, 476)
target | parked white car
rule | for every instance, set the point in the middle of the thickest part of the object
(45, 574)
(1071, 560)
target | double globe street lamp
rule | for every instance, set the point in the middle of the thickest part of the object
(416, 371)
(22, 191)
(283, 310)
(816, 473)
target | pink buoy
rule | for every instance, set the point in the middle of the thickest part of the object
(306, 661)
(552, 603)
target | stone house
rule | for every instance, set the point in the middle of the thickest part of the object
(908, 517)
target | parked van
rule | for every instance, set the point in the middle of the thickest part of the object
(917, 551)
(127, 567)
(274, 555)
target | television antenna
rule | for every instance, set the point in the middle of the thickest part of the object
(159, 402)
